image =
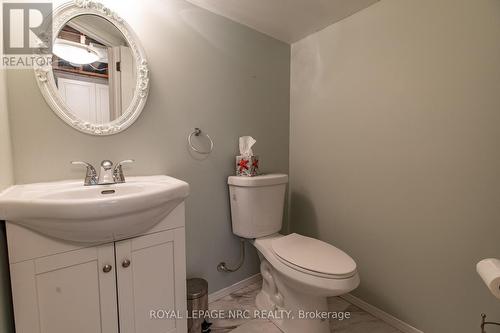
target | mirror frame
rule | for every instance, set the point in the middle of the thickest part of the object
(45, 76)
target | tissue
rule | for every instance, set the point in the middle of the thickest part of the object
(489, 270)
(246, 144)
(247, 164)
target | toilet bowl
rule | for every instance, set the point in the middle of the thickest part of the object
(300, 283)
(299, 273)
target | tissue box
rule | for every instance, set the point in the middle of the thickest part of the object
(247, 166)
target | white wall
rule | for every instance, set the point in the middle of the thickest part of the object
(395, 131)
(6, 179)
(206, 71)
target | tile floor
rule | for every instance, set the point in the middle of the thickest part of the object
(244, 299)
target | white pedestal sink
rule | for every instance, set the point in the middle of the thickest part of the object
(70, 211)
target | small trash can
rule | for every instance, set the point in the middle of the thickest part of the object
(197, 301)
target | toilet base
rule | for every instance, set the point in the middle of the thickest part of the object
(290, 305)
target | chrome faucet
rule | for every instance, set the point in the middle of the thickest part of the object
(107, 175)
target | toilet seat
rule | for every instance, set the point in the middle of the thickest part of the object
(313, 256)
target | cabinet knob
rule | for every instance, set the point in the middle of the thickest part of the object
(107, 268)
(125, 263)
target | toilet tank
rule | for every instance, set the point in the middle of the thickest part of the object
(257, 204)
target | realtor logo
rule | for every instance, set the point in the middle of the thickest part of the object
(27, 28)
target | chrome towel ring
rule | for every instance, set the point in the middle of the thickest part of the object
(197, 132)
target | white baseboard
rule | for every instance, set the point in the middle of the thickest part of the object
(239, 285)
(382, 315)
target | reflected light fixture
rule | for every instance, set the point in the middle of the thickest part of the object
(75, 53)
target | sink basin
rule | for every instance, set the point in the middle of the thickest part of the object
(70, 211)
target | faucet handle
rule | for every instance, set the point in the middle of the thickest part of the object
(91, 175)
(118, 175)
(88, 165)
(124, 162)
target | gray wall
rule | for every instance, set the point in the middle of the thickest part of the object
(6, 179)
(6, 172)
(207, 72)
(395, 131)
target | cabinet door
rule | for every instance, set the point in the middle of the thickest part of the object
(67, 292)
(80, 97)
(102, 104)
(151, 275)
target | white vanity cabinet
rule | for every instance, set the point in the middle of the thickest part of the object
(61, 287)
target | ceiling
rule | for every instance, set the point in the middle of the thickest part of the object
(286, 20)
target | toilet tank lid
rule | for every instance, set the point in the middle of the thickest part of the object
(262, 180)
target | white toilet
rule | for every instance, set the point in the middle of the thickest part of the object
(298, 272)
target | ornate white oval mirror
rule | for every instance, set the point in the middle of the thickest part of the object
(98, 79)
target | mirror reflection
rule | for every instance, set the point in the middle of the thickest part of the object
(94, 69)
